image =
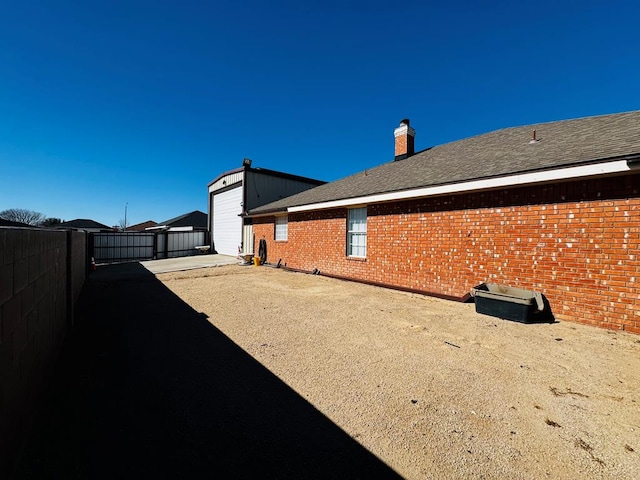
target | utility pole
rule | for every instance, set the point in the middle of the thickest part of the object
(125, 216)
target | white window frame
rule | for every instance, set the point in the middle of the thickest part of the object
(357, 232)
(282, 228)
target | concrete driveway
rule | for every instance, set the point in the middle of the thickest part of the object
(188, 263)
(152, 267)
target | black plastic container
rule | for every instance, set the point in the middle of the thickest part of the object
(510, 303)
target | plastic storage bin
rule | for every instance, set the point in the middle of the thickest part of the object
(509, 303)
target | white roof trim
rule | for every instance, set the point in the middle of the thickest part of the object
(569, 173)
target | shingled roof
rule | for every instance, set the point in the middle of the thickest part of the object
(83, 223)
(11, 223)
(504, 152)
(195, 219)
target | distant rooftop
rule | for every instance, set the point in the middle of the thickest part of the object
(10, 223)
(195, 219)
(83, 223)
(140, 227)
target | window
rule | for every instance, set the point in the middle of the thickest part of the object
(282, 229)
(357, 232)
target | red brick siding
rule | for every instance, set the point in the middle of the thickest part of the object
(404, 145)
(577, 242)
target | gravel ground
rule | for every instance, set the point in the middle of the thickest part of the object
(430, 387)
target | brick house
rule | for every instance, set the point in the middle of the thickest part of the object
(141, 227)
(553, 207)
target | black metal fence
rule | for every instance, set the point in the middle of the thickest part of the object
(113, 247)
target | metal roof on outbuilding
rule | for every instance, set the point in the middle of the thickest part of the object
(266, 171)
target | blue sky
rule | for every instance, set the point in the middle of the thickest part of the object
(143, 103)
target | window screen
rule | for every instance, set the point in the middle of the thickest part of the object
(282, 228)
(357, 232)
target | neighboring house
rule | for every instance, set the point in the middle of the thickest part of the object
(11, 223)
(141, 227)
(235, 192)
(553, 207)
(192, 221)
(86, 225)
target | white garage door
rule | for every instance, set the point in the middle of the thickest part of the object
(227, 225)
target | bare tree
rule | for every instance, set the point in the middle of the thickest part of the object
(23, 216)
(51, 222)
(122, 225)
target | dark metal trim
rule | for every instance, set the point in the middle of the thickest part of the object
(288, 176)
(230, 172)
(227, 188)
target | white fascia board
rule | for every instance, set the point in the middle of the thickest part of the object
(569, 173)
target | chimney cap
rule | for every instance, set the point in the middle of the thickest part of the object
(405, 121)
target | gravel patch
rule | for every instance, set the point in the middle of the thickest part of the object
(432, 388)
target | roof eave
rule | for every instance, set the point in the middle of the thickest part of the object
(228, 172)
(618, 166)
(266, 213)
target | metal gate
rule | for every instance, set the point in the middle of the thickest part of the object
(179, 244)
(113, 247)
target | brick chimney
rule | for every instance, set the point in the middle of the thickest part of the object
(405, 136)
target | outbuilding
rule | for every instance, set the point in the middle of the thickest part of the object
(552, 207)
(235, 192)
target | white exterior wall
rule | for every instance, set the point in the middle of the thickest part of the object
(224, 182)
(221, 183)
(227, 223)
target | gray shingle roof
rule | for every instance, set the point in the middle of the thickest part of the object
(499, 153)
(195, 219)
(11, 223)
(83, 223)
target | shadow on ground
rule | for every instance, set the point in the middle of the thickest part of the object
(146, 387)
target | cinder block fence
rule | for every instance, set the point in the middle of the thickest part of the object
(41, 276)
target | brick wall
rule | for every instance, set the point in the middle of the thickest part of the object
(576, 242)
(41, 275)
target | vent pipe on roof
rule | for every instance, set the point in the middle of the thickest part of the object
(405, 136)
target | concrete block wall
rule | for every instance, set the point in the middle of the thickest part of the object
(576, 242)
(41, 275)
(76, 269)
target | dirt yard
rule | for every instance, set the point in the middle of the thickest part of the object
(429, 386)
